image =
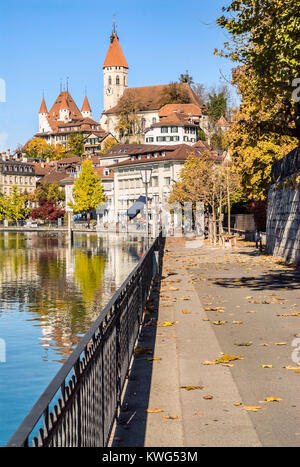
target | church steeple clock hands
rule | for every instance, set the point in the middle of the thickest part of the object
(115, 72)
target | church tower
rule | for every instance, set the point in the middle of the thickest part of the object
(115, 72)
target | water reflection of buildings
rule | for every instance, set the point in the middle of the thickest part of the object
(62, 288)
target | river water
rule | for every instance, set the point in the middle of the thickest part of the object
(50, 293)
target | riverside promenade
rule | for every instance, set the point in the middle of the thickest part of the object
(216, 362)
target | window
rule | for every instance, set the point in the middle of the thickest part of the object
(154, 181)
(117, 79)
(167, 181)
(153, 120)
(124, 80)
(174, 129)
(150, 139)
(109, 80)
(164, 129)
(176, 138)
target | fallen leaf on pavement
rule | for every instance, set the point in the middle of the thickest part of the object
(154, 410)
(280, 343)
(272, 399)
(173, 288)
(166, 323)
(237, 322)
(237, 404)
(218, 323)
(295, 313)
(191, 388)
(170, 417)
(207, 397)
(244, 344)
(186, 312)
(266, 366)
(252, 408)
(291, 367)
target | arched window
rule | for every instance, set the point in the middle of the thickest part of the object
(143, 123)
(117, 79)
(109, 80)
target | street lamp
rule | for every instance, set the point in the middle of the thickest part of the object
(146, 177)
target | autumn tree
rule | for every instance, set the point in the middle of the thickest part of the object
(108, 144)
(202, 180)
(38, 148)
(264, 42)
(265, 37)
(128, 118)
(47, 210)
(17, 205)
(75, 144)
(174, 93)
(50, 192)
(87, 191)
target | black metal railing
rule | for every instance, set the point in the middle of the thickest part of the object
(81, 403)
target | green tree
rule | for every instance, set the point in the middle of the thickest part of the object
(87, 190)
(3, 206)
(75, 144)
(216, 105)
(17, 208)
(186, 78)
(265, 39)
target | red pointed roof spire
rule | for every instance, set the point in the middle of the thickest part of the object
(86, 106)
(43, 108)
(115, 56)
(64, 104)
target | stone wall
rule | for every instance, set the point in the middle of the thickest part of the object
(283, 217)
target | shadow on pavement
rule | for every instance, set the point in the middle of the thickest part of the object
(132, 421)
(273, 280)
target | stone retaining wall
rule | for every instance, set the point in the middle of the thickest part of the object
(283, 217)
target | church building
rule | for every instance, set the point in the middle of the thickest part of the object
(147, 100)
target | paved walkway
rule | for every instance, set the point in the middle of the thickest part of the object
(209, 303)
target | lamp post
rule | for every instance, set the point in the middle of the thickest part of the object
(146, 177)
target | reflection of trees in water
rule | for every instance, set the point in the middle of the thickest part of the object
(62, 288)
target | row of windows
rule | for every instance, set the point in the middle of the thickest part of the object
(150, 139)
(117, 80)
(17, 168)
(8, 191)
(134, 183)
(165, 129)
(174, 129)
(16, 180)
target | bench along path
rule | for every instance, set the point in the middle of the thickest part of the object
(213, 303)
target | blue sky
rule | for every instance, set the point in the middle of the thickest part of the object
(44, 41)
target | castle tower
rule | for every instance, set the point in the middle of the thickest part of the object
(86, 110)
(64, 111)
(43, 121)
(115, 72)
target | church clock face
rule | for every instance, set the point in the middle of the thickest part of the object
(109, 91)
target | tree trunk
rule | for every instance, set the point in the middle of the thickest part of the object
(228, 205)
